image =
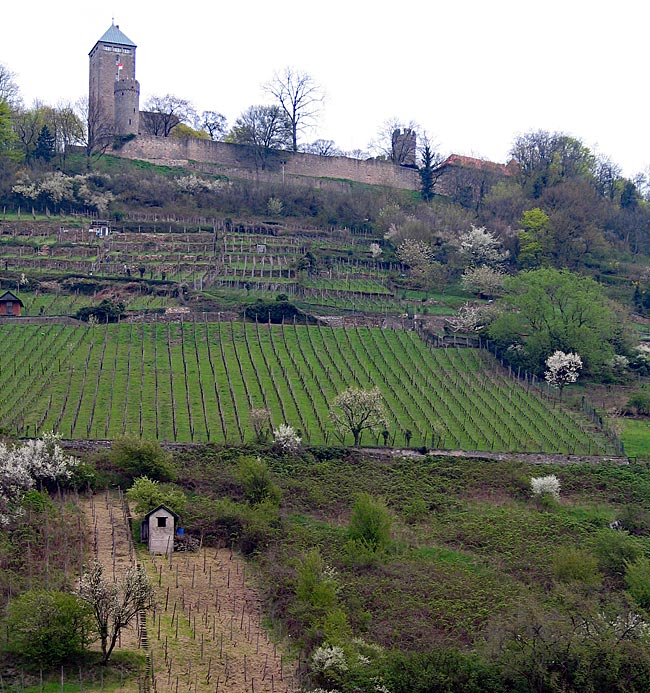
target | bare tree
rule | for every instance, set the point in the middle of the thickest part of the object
(321, 148)
(299, 96)
(163, 113)
(68, 128)
(8, 88)
(27, 123)
(98, 133)
(265, 128)
(114, 604)
(213, 123)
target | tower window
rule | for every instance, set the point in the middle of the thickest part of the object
(116, 49)
(107, 48)
(126, 50)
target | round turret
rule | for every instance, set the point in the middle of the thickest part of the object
(127, 106)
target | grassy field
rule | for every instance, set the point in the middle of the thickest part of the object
(198, 382)
(636, 438)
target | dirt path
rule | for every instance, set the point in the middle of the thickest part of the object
(205, 633)
(111, 545)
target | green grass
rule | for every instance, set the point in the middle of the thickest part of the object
(636, 438)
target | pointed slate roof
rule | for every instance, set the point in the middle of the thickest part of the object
(10, 296)
(114, 35)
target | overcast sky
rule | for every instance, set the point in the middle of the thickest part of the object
(473, 74)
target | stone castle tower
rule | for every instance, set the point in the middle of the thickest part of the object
(404, 147)
(114, 92)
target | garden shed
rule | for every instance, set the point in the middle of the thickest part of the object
(158, 528)
(10, 304)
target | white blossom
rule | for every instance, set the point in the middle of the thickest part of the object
(286, 438)
(545, 485)
(483, 280)
(24, 466)
(481, 247)
(328, 657)
(562, 369)
(375, 250)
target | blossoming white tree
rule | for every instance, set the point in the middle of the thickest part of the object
(23, 467)
(481, 247)
(114, 604)
(562, 369)
(356, 410)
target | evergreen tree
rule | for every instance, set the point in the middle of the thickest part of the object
(427, 179)
(45, 145)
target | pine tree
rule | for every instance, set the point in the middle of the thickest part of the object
(427, 180)
(45, 145)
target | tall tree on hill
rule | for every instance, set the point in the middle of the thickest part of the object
(98, 131)
(164, 113)
(546, 310)
(45, 145)
(299, 97)
(547, 158)
(8, 88)
(213, 123)
(265, 128)
(430, 160)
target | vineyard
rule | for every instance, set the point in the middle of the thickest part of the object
(199, 381)
(323, 272)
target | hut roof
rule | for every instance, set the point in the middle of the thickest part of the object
(162, 506)
(10, 296)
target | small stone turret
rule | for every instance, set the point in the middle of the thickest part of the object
(127, 107)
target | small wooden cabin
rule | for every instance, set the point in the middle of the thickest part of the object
(158, 528)
(10, 304)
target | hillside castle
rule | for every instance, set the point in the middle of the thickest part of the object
(114, 103)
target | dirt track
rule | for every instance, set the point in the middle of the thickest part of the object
(205, 633)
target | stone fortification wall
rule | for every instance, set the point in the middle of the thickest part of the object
(170, 151)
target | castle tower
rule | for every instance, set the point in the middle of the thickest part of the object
(114, 92)
(404, 147)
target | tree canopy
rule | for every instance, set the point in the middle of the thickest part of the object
(546, 310)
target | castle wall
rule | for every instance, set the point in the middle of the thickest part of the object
(170, 151)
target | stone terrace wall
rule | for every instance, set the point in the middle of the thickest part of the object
(169, 151)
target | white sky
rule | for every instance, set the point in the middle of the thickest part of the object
(472, 73)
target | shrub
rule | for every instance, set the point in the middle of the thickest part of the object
(545, 486)
(613, 549)
(107, 311)
(317, 605)
(370, 523)
(572, 564)
(255, 477)
(640, 403)
(148, 494)
(637, 579)
(47, 628)
(286, 439)
(137, 457)
(443, 670)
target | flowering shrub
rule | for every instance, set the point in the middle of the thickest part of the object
(25, 466)
(286, 439)
(328, 658)
(546, 486)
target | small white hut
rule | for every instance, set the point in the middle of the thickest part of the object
(158, 528)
